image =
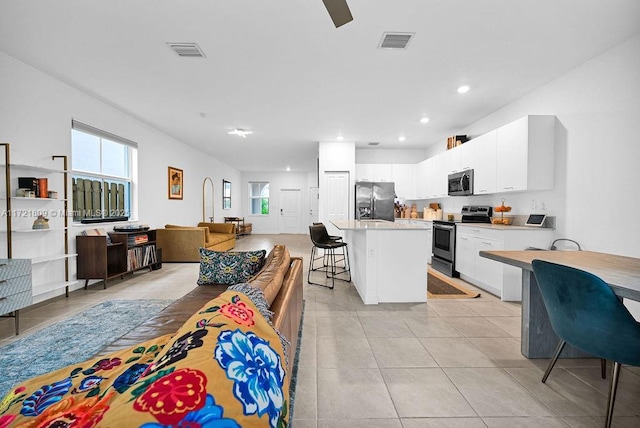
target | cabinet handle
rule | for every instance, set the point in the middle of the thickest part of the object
(486, 243)
(2, 280)
(482, 191)
(507, 188)
(2, 298)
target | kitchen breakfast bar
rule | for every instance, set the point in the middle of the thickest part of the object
(388, 260)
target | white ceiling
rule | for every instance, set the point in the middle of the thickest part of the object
(281, 69)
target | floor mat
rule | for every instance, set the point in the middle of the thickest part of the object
(440, 288)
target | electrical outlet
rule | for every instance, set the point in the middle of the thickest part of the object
(542, 206)
(534, 205)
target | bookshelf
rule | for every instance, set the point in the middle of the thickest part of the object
(104, 257)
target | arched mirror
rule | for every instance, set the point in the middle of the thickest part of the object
(207, 199)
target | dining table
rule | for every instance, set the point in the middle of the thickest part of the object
(538, 339)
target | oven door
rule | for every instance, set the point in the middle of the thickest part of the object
(444, 241)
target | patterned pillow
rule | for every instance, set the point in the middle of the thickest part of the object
(218, 267)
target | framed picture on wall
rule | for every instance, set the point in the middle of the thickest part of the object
(226, 195)
(176, 183)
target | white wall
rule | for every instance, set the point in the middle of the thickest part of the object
(269, 224)
(35, 118)
(597, 106)
(596, 195)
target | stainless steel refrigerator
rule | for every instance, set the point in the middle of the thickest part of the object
(375, 200)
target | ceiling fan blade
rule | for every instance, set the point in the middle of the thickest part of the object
(339, 11)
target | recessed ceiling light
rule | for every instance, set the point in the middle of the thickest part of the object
(240, 132)
(401, 138)
(463, 89)
(339, 138)
(288, 168)
(424, 120)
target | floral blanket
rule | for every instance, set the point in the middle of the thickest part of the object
(226, 367)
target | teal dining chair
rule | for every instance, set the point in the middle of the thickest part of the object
(585, 313)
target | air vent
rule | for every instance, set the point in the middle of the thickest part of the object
(188, 50)
(372, 143)
(395, 40)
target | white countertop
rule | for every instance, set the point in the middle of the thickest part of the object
(374, 225)
(501, 226)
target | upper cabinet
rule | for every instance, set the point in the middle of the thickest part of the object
(424, 179)
(525, 153)
(403, 175)
(483, 159)
(374, 172)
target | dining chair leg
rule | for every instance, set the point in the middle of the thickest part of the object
(603, 368)
(615, 374)
(553, 360)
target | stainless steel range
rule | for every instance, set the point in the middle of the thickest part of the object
(444, 237)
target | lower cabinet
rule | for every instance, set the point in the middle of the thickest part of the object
(496, 278)
(15, 287)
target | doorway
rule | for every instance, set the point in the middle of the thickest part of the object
(314, 203)
(337, 198)
(290, 211)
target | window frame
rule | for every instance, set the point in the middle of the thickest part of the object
(261, 197)
(129, 209)
(226, 194)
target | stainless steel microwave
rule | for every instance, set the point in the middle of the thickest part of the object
(461, 183)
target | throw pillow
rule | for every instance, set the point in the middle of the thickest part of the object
(220, 267)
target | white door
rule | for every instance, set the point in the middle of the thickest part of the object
(290, 211)
(337, 198)
(314, 202)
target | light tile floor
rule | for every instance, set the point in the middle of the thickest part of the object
(445, 363)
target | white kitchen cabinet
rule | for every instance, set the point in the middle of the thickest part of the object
(423, 179)
(459, 158)
(483, 152)
(465, 254)
(497, 278)
(403, 175)
(440, 183)
(525, 153)
(374, 172)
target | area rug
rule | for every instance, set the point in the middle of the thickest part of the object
(73, 340)
(438, 288)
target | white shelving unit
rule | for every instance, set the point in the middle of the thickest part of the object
(48, 249)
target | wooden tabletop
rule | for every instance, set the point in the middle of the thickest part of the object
(620, 272)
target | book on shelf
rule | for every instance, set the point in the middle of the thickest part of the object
(138, 239)
(139, 257)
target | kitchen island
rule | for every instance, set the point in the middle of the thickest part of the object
(388, 260)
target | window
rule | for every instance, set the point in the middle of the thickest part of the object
(226, 195)
(259, 198)
(102, 177)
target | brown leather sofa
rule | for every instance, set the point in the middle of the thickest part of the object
(183, 243)
(281, 280)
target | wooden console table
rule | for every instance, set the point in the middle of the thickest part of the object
(538, 340)
(241, 227)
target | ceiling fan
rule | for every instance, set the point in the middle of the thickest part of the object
(338, 11)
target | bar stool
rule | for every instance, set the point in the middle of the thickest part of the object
(321, 240)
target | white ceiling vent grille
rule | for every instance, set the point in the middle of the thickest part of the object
(187, 50)
(395, 40)
(373, 143)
